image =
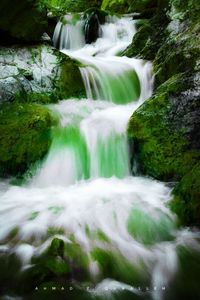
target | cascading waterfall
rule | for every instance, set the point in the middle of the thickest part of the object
(68, 34)
(84, 191)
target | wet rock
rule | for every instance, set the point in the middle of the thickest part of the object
(41, 70)
(93, 21)
(149, 38)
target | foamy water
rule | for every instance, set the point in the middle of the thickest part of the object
(84, 188)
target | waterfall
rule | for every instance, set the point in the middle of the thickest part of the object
(84, 192)
(94, 144)
(68, 33)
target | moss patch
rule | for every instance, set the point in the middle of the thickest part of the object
(115, 6)
(163, 150)
(25, 136)
(186, 202)
(70, 83)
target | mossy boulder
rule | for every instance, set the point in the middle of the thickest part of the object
(24, 20)
(25, 136)
(164, 130)
(69, 82)
(181, 46)
(38, 74)
(147, 41)
(186, 202)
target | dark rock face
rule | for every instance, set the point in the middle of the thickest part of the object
(94, 19)
(165, 129)
(22, 20)
(92, 28)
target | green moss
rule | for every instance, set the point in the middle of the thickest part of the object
(25, 136)
(115, 6)
(182, 48)
(149, 37)
(163, 150)
(78, 5)
(185, 9)
(70, 83)
(186, 202)
(40, 98)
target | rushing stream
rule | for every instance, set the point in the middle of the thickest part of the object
(117, 228)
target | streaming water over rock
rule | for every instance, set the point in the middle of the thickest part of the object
(82, 215)
(68, 34)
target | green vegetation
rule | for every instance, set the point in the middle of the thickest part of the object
(165, 128)
(115, 6)
(60, 7)
(69, 83)
(25, 136)
(186, 197)
(163, 150)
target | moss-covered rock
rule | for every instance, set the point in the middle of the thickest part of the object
(186, 202)
(164, 131)
(69, 82)
(182, 47)
(25, 136)
(38, 74)
(147, 41)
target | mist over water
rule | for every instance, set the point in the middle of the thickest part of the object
(84, 189)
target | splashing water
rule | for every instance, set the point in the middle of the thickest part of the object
(83, 192)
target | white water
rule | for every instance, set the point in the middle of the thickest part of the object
(70, 35)
(84, 185)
